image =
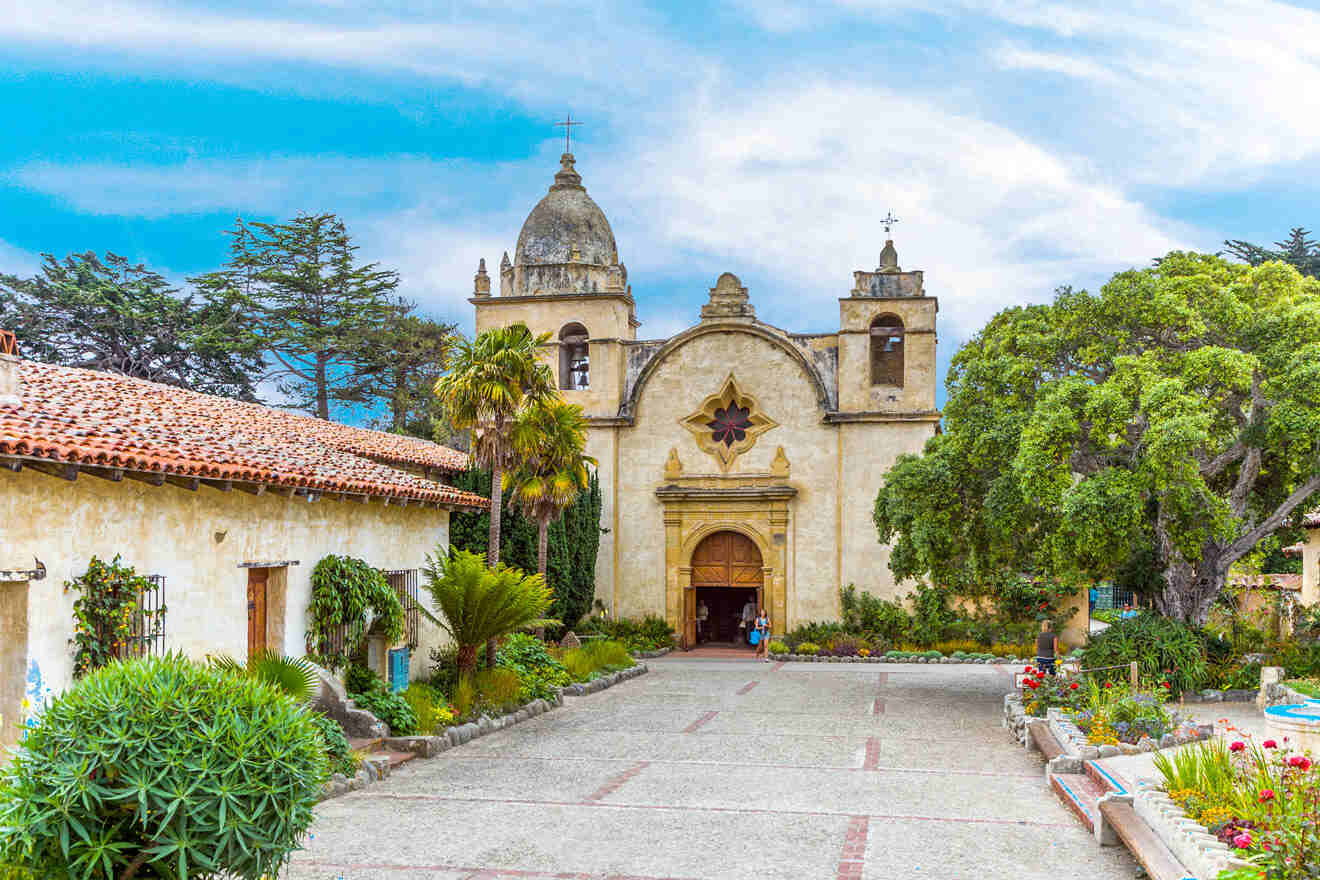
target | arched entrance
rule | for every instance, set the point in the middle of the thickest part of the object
(727, 573)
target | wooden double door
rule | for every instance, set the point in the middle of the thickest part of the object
(724, 560)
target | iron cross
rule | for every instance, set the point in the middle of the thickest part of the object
(568, 132)
(888, 220)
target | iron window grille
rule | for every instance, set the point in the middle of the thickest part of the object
(404, 583)
(147, 635)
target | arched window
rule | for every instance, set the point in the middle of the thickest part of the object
(574, 365)
(887, 351)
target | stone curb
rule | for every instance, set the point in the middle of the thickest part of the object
(377, 767)
(650, 655)
(947, 661)
(1200, 851)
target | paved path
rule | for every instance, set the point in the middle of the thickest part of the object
(712, 769)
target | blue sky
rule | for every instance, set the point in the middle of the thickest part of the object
(1023, 144)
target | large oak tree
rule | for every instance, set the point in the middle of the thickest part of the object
(1175, 415)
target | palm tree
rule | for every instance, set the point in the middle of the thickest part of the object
(481, 603)
(490, 379)
(548, 441)
(293, 676)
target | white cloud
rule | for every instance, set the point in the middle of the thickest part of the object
(16, 261)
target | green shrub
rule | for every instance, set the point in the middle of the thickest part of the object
(391, 708)
(818, 633)
(778, 648)
(807, 648)
(865, 613)
(109, 600)
(498, 689)
(650, 633)
(1164, 648)
(428, 704)
(174, 766)
(464, 697)
(588, 661)
(339, 756)
(539, 672)
(293, 676)
(932, 655)
(358, 679)
(346, 594)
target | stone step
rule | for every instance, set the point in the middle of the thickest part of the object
(1080, 792)
(397, 758)
(1142, 842)
(364, 743)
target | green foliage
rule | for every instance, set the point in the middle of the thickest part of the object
(573, 543)
(359, 679)
(650, 633)
(1165, 649)
(1173, 408)
(596, 657)
(778, 648)
(810, 648)
(498, 689)
(865, 613)
(479, 603)
(930, 613)
(338, 755)
(464, 697)
(292, 676)
(109, 596)
(538, 671)
(127, 319)
(310, 305)
(551, 467)
(389, 707)
(428, 704)
(178, 768)
(816, 632)
(404, 357)
(344, 590)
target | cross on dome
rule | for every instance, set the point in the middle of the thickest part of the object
(568, 124)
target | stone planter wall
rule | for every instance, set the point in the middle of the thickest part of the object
(1199, 850)
(376, 767)
(812, 658)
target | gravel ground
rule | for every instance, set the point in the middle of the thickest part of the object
(713, 768)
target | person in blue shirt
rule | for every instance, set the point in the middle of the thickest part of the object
(1092, 596)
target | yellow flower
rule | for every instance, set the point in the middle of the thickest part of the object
(26, 704)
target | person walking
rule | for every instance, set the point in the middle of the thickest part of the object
(748, 618)
(1047, 648)
(703, 614)
(763, 634)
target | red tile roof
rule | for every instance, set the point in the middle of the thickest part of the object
(1293, 549)
(1267, 581)
(103, 419)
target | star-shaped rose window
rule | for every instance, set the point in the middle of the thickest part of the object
(727, 423)
(730, 423)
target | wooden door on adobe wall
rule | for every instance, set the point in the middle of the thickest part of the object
(256, 609)
(723, 559)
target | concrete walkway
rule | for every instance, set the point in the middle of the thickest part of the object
(728, 768)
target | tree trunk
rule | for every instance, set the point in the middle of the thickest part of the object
(1190, 589)
(542, 544)
(467, 659)
(322, 389)
(496, 510)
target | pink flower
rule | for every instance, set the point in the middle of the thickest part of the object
(1270, 744)
(1266, 795)
(1237, 746)
(1242, 841)
(1300, 762)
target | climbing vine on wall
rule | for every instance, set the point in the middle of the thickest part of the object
(344, 591)
(108, 618)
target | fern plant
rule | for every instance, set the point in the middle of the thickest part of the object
(344, 592)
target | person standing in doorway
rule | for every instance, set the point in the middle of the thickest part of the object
(748, 617)
(703, 614)
(763, 636)
(1047, 648)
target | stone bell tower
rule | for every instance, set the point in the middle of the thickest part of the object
(887, 342)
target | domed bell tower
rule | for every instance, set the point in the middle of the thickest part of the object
(565, 279)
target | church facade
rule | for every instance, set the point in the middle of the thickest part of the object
(737, 460)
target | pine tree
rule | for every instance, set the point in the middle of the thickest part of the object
(315, 309)
(1297, 250)
(407, 355)
(109, 314)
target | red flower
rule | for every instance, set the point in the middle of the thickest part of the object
(1237, 746)
(1109, 684)
(1073, 686)
(1243, 840)
(1032, 684)
(1029, 670)
(1266, 795)
(1300, 762)
(1164, 684)
(1269, 744)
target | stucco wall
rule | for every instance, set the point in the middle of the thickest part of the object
(196, 540)
(823, 457)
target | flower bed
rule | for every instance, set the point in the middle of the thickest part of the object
(780, 651)
(1262, 800)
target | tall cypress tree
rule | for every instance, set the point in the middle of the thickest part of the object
(573, 546)
(1297, 250)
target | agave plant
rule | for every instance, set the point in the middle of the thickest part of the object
(294, 676)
